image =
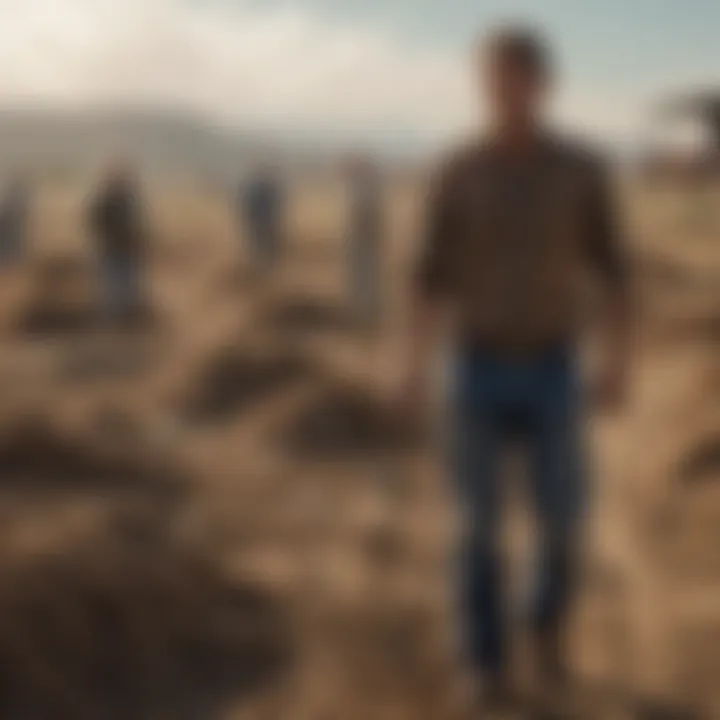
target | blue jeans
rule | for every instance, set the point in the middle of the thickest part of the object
(122, 284)
(535, 403)
(263, 236)
(12, 240)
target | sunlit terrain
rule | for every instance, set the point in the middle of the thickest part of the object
(209, 514)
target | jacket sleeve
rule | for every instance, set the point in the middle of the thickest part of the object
(433, 268)
(605, 240)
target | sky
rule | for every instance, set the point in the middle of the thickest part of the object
(385, 73)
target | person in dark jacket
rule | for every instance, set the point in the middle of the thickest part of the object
(261, 204)
(14, 215)
(365, 240)
(115, 218)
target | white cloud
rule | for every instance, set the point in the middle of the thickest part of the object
(285, 70)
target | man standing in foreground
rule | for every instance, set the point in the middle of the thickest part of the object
(516, 221)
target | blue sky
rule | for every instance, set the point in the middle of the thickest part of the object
(391, 73)
(630, 42)
(645, 23)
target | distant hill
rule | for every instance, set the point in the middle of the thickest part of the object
(160, 142)
(68, 142)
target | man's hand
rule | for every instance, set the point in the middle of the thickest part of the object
(411, 389)
(612, 383)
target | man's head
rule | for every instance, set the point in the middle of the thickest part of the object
(120, 172)
(263, 166)
(360, 166)
(517, 74)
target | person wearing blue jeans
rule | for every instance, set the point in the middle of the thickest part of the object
(365, 241)
(15, 209)
(262, 208)
(116, 222)
(121, 279)
(533, 405)
(521, 227)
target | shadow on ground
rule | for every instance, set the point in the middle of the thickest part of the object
(235, 380)
(38, 458)
(345, 423)
(46, 316)
(306, 314)
(702, 462)
(64, 301)
(133, 623)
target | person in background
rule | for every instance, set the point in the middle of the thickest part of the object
(518, 220)
(262, 211)
(365, 240)
(14, 216)
(117, 225)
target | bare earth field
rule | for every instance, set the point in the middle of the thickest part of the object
(209, 516)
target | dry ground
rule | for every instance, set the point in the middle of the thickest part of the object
(208, 516)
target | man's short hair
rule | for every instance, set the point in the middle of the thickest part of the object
(524, 47)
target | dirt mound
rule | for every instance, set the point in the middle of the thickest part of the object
(50, 315)
(235, 380)
(126, 629)
(345, 422)
(38, 458)
(306, 314)
(46, 316)
(702, 462)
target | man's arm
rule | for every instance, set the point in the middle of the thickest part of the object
(431, 290)
(608, 257)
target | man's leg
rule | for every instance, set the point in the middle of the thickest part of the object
(372, 283)
(475, 448)
(365, 282)
(266, 246)
(132, 284)
(354, 275)
(558, 488)
(253, 243)
(109, 274)
(5, 246)
(122, 283)
(276, 239)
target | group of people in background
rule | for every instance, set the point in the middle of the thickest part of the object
(262, 205)
(114, 218)
(117, 225)
(118, 228)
